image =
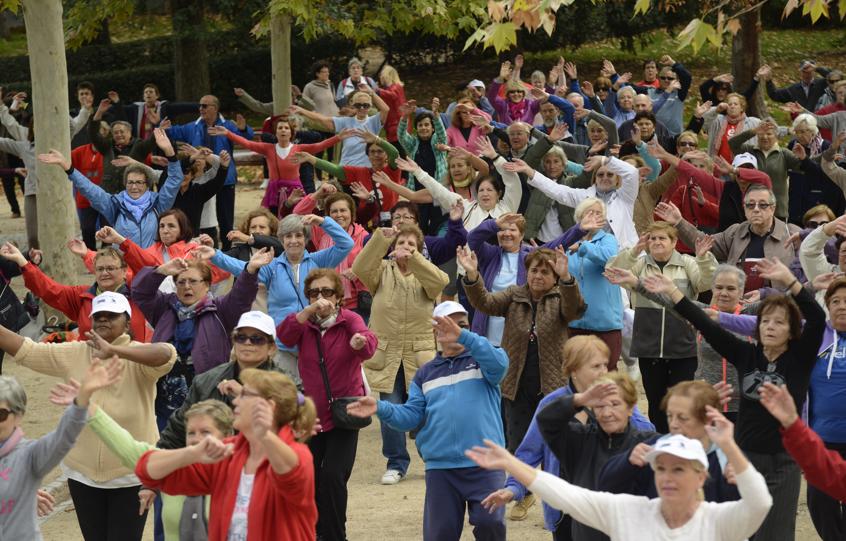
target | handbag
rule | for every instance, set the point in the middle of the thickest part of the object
(13, 314)
(338, 405)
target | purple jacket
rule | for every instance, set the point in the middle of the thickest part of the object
(213, 323)
(490, 260)
(343, 363)
(501, 106)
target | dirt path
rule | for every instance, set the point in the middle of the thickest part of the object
(375, 512)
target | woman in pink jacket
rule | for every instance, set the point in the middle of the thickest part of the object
(462, 133)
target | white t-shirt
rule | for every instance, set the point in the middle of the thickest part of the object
(238, 526)
(551, 228)
(353, 150)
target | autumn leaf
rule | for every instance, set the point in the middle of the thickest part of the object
(528, 19)
(503, 36)
(789, 7)
(496, 10)
(733, 26)
(548, 22)
(642, 6)
(841, 7)
(816, 8)
(696, 33)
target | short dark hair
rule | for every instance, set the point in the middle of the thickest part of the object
(649, 61)
(319, 65)
(186, 232)
(645, 114)
(408, 205)
(495, 182)
(153, 86)
(794, 316)
(85, 85)
(422, 116)
(331, 199)
(833, 287)
(333, 275)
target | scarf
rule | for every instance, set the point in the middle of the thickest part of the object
(11, 442)
(137, 207)
(815, 147)
(326, 322)
(183, 334)
(517, 110)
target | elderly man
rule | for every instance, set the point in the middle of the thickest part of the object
(772, 159)
(806, 92)
(761, 235)
(196, 134)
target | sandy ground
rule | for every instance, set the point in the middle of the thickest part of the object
(375, 512)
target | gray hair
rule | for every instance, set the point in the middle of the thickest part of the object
(538, 75)
(808, 120)
(141, 169)
(626, 90)
(587, 203)
(13, 394)
(293, 223)
(557, 151)
(760, 188)
(123, 123)
(725, 268)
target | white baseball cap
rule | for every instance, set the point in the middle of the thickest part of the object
(257, 320)
(475, 83)
(680, 446)
(110, 301)
(744, 158)
(447, 308)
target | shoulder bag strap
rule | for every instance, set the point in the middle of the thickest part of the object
(322, 364)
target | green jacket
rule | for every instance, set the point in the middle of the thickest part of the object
(776, 163)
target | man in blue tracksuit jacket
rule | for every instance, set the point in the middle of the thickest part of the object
(458, 398)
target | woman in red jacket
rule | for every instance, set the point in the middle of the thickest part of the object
(261, 481)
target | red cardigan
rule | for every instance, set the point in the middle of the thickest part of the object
(279, 169)
(281, 506)
(825, 469)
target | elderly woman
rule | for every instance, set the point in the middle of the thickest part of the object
(285, 276)
(34, 459)
(405, 288)
(784, 354)
(723, 121)
(680, 467)
(261, 482)
(665, 346)
(585, 359)
(75, 301)
(104, 493)
(134, 211)
(534, 317)
(333, 343)
(196, 323)
(516, 107)
(615, 182)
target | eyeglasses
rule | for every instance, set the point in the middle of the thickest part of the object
(603, 89)
(110, 270)
(815, 224)
(246, 394)
(186, 281)
(516, 92)
(690, 144)
(254, 339)
(136, 182)
(763, 205)
(402, 218)
(664, 78)
(361, 105)
(4, 414)
(325, 292)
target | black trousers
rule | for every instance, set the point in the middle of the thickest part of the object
(225, 207)
(518, 417)
(784, 479)
(658, 376)
(9, 189)
(334, 456)
(827, 513)
(107, 514)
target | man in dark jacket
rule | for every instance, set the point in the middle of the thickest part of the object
(806, 92)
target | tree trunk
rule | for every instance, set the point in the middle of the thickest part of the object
(190, 54)
(57, 221)
(105, 35)
(280, 61)
(746, 59)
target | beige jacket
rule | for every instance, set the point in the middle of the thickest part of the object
(648, 195)
(130, 401)
(401, 316)
(730, 245)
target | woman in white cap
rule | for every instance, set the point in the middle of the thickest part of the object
(679, 513)
(104, 492)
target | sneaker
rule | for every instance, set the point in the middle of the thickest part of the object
(633, 370)
(392, 477)
(520, 511)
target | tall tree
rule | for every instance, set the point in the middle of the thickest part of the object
(190, 53)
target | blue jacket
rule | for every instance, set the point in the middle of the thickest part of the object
(604, 300)
(142, 232)
(533, 451)
(283, 296)
(194, 133)
(456, 400)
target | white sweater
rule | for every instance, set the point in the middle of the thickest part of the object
(624, 517)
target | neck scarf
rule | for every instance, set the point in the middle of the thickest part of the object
(517, 110)
(11, 442)
(183, 334)
(137, 207)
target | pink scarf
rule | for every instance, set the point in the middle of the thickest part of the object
(11, 442)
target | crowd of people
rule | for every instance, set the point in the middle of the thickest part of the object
(491, 277)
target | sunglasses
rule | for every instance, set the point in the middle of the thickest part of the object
(760, 204)
(667, 78)
(4, 414)
(254, 339)
(361, 105)
(815, 224)
(325, 292)
(603, 89)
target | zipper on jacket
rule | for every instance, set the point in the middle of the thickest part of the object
(663, 323)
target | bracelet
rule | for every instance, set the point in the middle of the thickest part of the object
(795, 281)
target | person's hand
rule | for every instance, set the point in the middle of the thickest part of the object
(456, 211)
(799, 151)
(505, 70)
(595, 395)
(44, 502)
(519, 166)
(436, 105)
(724, 392)
(538, 93)
(230, 387)
(145, 500)
(508, 218)
(217, 130)
(297, 195)
(701, 108)
(656, 150)
(363, 407)
(723, 165)
(594, 162)
(239, 91)
(486, 148)
(592, 221)
(205, 240)
(669, 213)
(764, 73)
(312, 219)
(779, 403)
(822, 281)
(703, 245)
(722, 108)
(446, 329)
(21, 171)
(232, 236)
(63, 394)
(210, 450)
(570, 71)
(77, 247)
(301, 157)
(775, 271)
(405, 109)
(241, 122)
(558, 131)
(153, 116)
(225, 158)
(660, 284)
(638, 455)
(368, 137)
(262, 257)
(102, 349)
(163, 142)
(109, 235)
(359, 191)
(165, 123)
(561, 266)
(389, 232)
(481, 122)
(12, 253)
(624, 78)
(719, 429)
(620, 277)
(587, 89)
(495, 500)
(55, 157)
(581, 113)
(407, 165)
(608, 67)
(518, 62)
(175, 265)
(262, 418)
(713, 314)
(636, 138)
(357, 341)
(491, 456)
(401, 254)
(751, 297)
(764, 127)
(724, 78)
(468, 261)
(730, 475)
(124, 161)
(36, 256)
(794, 241)
(105, 105)
(327, 188)
(666, 60)
(674, 86)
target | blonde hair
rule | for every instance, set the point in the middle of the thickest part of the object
(627, 389)
(578, 350)
(290, 407)
(391, 75)
(583, 207)
(217, 411)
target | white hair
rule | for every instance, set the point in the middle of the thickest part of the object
(583, 207)
(808, 120)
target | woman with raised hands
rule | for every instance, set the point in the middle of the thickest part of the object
(110, 274)
(678, 514)
(615, 182)
(785, 353)
(261, 482)
(134, 211)
(195, 322)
